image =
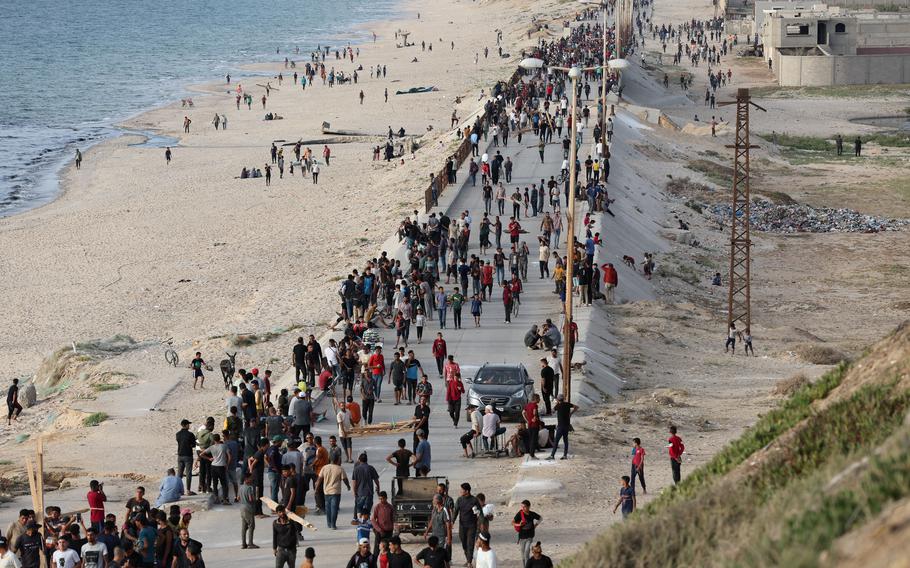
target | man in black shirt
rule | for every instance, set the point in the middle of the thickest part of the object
(29, 546)
(186, 441)
(398, 558)
(138, 506)
(547, 378)
(422, 420)
(363, 558)
(432, 556)
(256, 464)
(12, 402)
(298, 360)
(401, 459)
(466, 508)
(564, 412)
(181, 545)
(284, 540)
(538, 559)
(525, 522)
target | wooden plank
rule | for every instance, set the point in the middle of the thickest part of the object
(39, 512)
(383, 428)
(294, 516)
(31, 484)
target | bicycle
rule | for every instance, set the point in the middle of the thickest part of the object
(170, 356)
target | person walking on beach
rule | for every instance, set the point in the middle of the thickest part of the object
(167, 155)
(638, 464)
(78, 159)
(676, 448)
(217, 120)
(315, 172)
(223, 122)
(268, 175)
(361, 97)
(12, 403)
(186, 124)
(626, 498)
(327, 154)
(197, 365)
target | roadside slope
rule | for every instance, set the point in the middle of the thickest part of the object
(824, 463)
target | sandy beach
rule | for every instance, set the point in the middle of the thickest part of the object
(188, 250)
(138, 247)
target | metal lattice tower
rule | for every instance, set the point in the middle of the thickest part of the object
(739, 297)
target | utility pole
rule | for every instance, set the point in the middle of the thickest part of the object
(567, 341)
(739, 295)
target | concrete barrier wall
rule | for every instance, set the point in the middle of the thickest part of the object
(819, 71)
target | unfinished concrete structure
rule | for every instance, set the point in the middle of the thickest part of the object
(817, 45)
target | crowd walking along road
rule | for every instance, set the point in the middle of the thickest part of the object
(271, 445)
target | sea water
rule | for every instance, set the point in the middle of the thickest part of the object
(70, 70)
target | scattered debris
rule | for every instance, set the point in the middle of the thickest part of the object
(801, 218)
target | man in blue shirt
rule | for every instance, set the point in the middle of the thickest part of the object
(422, 455)
(626, 498)
(170, 490)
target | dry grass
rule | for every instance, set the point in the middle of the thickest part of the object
(819, 354)
(790, 385)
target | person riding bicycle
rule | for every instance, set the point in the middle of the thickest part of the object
(517, 289)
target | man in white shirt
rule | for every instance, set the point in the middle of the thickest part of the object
(7, 558)
(94, 553)
(64, 556)
(343, 418)
(484, 556)
(491, 427)
(555, 363)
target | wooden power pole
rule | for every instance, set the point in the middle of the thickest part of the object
(740, 292)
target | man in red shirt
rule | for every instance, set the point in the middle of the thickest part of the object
(96, 499)
(454, 390)
(377, 370)
(382, 521)
(486, 280)
(439, 352)
(507, 300)
(611, 279)
(514, 230)
(532, 419)
(676, 448)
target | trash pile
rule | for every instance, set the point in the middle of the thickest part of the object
(799, 218)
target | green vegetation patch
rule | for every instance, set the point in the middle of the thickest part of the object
(94, 419)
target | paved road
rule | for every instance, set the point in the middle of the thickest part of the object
(495, 341)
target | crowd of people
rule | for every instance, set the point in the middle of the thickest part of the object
(261, 454)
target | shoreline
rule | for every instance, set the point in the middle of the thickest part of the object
(101, 286)
(52, 185)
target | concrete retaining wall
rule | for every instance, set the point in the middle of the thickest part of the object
(820, 71)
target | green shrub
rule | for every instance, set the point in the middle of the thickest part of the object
(94, 419)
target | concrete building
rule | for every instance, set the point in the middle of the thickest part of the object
(817, 45)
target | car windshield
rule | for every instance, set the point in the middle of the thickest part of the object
(498, 376)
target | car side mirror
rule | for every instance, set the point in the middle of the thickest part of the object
(529, 382)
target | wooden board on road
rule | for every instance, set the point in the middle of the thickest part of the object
(296, 516)
(380, 428)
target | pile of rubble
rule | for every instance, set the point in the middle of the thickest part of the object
(799, 218)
